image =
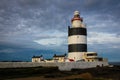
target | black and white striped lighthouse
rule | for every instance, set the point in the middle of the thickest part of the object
(77, 38)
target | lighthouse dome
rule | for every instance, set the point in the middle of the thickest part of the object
(76, 13)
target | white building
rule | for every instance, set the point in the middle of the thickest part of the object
(59, 58)
(37, 58)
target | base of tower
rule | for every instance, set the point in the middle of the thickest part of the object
(76, 55)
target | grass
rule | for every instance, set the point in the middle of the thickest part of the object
(48, 73)
(25, 72)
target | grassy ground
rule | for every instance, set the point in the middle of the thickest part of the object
(52, 73)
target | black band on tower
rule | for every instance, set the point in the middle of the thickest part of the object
(77, 31)
(77, 48)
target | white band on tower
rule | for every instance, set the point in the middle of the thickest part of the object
(77, 39)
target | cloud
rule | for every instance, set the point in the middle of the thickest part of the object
(51, 41)
(103, 38)
(52, 38)
(102, 23)
(116, 46)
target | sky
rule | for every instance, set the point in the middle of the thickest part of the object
(39, 27)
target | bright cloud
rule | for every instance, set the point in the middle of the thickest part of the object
(103, 38)
(51, 41)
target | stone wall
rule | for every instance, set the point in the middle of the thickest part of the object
(25, 64)
(80, 65)
(62, 66)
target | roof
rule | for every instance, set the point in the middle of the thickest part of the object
(59, 55)
(37, 56)
(95, 58)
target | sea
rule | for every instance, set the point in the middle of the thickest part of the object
(114, 63)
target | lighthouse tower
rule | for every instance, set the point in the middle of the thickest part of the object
(77, 38)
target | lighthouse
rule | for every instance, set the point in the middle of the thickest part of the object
(77, 38)
(78, 56)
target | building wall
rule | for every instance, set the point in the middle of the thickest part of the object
(36, 59)
(59, 59)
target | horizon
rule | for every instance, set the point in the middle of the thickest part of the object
(29, 28)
